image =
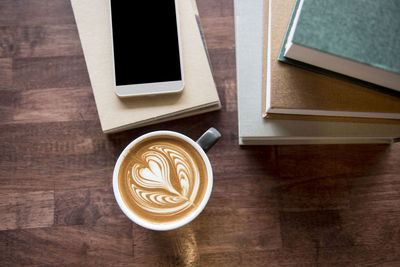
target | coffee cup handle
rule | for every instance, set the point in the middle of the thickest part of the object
(208, 139)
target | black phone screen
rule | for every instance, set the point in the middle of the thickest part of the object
(145, 41)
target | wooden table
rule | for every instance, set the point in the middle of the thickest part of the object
(326, 205)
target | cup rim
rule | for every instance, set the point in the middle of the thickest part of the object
(169, 225)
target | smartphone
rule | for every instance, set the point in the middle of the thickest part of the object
(146, 47)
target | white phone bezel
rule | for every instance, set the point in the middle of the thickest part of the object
(149, 88)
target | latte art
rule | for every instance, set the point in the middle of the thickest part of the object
(163, 179)
(167, 182)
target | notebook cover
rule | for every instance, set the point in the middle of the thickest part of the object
(199, 95)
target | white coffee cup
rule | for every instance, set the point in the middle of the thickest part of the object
(208, 139)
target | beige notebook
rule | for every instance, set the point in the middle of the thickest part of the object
(116, 114)
(295, 91)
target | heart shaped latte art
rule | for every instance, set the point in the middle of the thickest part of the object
(166, 181)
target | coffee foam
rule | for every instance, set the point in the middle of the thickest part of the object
(162, 179)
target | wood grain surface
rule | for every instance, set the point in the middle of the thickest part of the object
(323, 205)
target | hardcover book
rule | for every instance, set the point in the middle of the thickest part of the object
(291, 91)
(357, 38)
(256, 130)
(116, 114)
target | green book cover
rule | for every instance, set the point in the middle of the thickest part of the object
(366, 31)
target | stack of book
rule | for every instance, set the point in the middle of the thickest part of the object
(342, 82)
(199, 95)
